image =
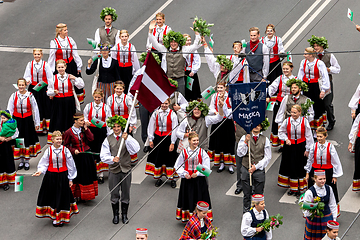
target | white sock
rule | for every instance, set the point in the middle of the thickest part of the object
(54, 222)
(101, 174)
(222, 165)
(231, 168)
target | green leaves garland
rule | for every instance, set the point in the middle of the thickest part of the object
(108, 11)
(321, 41)
(203, 107)
(265, 125)
(202, 27)
(118, 120)
(305, 107)
(7, 114)
(302, 85)
(173, 82)
(174, 36)
(227, 63)
(144, 54)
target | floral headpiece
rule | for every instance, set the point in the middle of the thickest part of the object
(143, 57)
(265, 124)
(321, 41)
(227, 63)
(116, 119)
(203, 107)
(174, 36)
(302, 85)
(108, 11)
(5, 113)
(105, 47)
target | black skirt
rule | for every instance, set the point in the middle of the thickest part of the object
(356, 179)
(161, 162)
(55, 200)
(7, 165)
(195, 93)
(43, 101)
(191, 191)
(85, 184)
(292, 173)
(62, 114)
(274, 138)
(126, 76)
(99, 137)
(319, 106)
(274, 70)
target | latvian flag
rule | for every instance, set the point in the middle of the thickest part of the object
(153, 84)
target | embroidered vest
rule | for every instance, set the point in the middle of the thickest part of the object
(22, 108)
(319, 162)
(60, 54)
(57, 163)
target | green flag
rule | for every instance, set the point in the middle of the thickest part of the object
(309, 205)
(208, 92)
(270, 106)
(20, 143)
(350, 14)
(211, 42)
(243, 42)
(89, 152)
(189, 83)
(95, 57)
(39, 86)
(92, 42)
(97, 123)
(289, 56)
(19, 183)
(204, 170)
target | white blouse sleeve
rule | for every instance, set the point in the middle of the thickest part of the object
(133, 118)
(282, 108)
(196, 62)
(11, 103)
(353, 104)
(105, 154)
(213, 119)
(274, 87)
(77, 58)
(179, 165)
(211, 61)
(310, 159)
(155, 44)
(301, 70)
(151, 126)
(50, 91)
(182, 102)
(354, 129)
(44, 162)
(79, 82)
(282, 132)
(174, 122)
(86, 112)
(325, 76)
(49, 73)
(280, 45)
(35, 110)
(70, 164)
(246, 229)
(52, 57)
(308, 136)
(134, 60)
(181, 130)
(132, 145)
(27, 73)
(333, 204)
(193, 47)
(334, 65)
(335, 162)
(266, 61)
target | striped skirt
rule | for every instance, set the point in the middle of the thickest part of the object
(108, 89)
(315, 228)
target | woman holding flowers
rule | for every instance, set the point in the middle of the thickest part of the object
(320, 194)
(174, 54)
(254, 217)
(295, 131)
(198, 224)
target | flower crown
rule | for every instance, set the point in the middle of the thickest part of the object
(103, 47)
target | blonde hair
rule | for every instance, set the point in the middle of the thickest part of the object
(61, 61)
(59, 28)
(310, 50)
(160, 14)
(254, 29)
(297, 107)
(123, 31)
(185, 35)
(38, 50)
(201, 205)
(270, 26)
(322, 130)
(21, 79)
(119, 83)
(99, 91)
(253, 203)
(192, 135)
(290, 64)
(56, 134)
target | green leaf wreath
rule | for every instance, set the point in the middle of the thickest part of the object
(116, 119)
(321, 41)
(203, 107)
(305, 107)
(265, 125)
(202, 27)
(108, 11)
(173, 82)
(144, 54)
(227, 63)
(174, 36)
(302, 85)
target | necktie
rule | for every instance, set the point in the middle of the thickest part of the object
(107, 30)
(255, 138)
(117, 138)
(174, 50)
(320, 55)
(295, 99)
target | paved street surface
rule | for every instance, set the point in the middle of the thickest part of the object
(31, 23)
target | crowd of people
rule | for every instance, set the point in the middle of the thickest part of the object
(85, 143)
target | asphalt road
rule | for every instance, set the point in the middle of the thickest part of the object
(32, 23)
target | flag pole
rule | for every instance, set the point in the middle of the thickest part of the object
(128, 122)
(250, 162)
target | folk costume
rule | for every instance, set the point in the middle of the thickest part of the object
(119, 170)
(332, 225)
(196, 226)
(193, 63)
(260, 157)
(291, 171)
(277, 91)
(85, 185)
(240, 72)
(324, 157)
(108, 74)
(94, 112)
(194, 189)
(315, 227)
(355, 141)
(355, 101)
(174, 61)
(107, 34)
(179, 99)
(222, 142)
(128, 61)
(55, 199)
(310, 73)
(66, 49)
(251, 219)
(64, 105)
(7, 165)
(35, 73)
(161, 162)
(159, 33)
(24, 109)
(275, 46)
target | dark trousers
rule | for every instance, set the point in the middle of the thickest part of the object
(258, 181)
(114, 179)
(238, 172)
(144, 119)
(255, 77)
(329, 106)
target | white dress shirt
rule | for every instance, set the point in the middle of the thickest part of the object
(196, 63)
(97, 36)
(353, 104)
(334, 65)
(180, 161)
(243, 149)
(124, 51)
(247, 230)
(227, 111)
(78, 82)
(280, 116)
(297, 122)
(159, 35)
(239, 64)
(38, 67)
(354, 130)
(70, 164)
(322, 152)
(274, 87)
(23, 97)
(163, 115)
(321, 192)
(64, 44)
(324, 75)
(132, 146)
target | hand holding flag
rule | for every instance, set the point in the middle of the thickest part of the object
(39, 86)
(92, 42)
(189, 83)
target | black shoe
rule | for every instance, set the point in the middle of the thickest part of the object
(61, 224)
(146, 149)
(231, 171)
(55, 225)
(27, 166)
(238, 191)
(124, 210)
(21, 166)
(100, 180)
(290, 193)
(330, 126)
(158, 183)
(220, 170)
(297, 194)
(280, 150)
(115, 208)
(6, 187)
(173, 183)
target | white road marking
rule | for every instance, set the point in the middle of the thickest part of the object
(350, 202)
(296, 35)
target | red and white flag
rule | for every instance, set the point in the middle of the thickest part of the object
(153, 84)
